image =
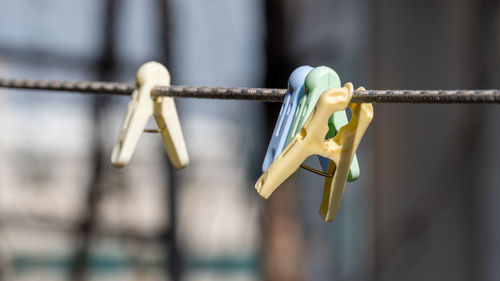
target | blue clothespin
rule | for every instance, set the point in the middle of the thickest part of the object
(287, 113)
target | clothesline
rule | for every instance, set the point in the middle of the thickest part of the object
(256, 94)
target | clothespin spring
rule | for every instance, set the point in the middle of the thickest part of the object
(310, 169)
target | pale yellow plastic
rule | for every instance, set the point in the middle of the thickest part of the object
(140, 108)
(311, 140)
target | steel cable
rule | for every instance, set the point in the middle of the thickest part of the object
(256, 94)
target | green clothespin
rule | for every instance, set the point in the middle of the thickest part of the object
(317, 81)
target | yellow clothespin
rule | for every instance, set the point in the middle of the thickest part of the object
(311, 140)
(141, 107)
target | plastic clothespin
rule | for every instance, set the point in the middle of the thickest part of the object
(317, 81)
(287, 113)
(310, 140)
(140, 108)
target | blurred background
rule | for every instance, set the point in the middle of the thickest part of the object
(426, 205)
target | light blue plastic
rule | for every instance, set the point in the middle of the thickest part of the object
(287, 113)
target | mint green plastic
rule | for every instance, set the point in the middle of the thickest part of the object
(320, 79)
(317, 81)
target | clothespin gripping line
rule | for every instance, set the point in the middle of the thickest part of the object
(310, 140)
(141, 108)
(316, 83)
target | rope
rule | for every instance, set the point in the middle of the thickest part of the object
(256, 94)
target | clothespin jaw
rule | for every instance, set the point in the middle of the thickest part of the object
(287, 113)
(310, 140)
(143, 106)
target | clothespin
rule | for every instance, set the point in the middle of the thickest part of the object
(311, 140)
(317, 81)
(140, 108)
(287, 113)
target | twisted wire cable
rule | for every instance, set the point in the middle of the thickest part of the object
(256, 94)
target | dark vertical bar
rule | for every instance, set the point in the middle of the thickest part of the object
(278, 61)
(174, 260)
(488, 36)
(281, 229)
(105, 67)
(488, 59)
